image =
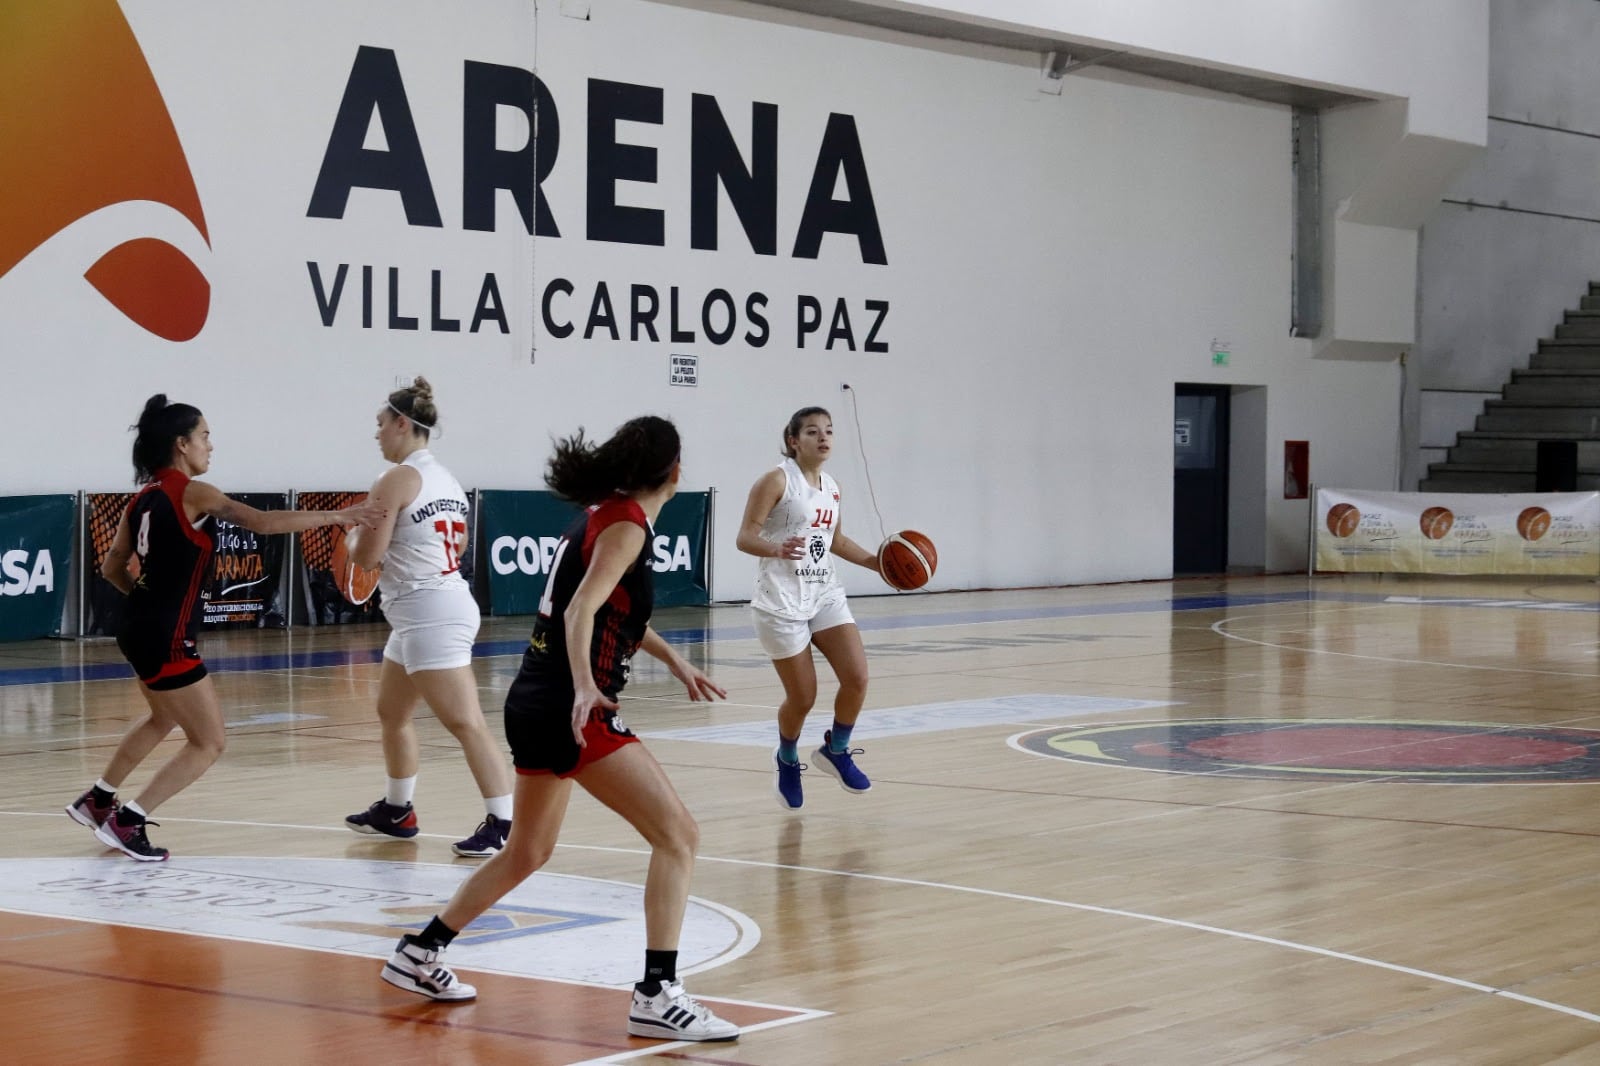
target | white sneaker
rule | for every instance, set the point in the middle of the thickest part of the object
(673, 1014)
(416, 969)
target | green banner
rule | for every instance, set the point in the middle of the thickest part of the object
(520, 530)
(35, 559)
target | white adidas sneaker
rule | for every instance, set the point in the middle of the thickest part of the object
(673, 1014)
(416, 969)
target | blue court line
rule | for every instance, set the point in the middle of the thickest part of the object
(52, 675)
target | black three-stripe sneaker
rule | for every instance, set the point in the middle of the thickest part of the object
(673, 1014)
(417, 969)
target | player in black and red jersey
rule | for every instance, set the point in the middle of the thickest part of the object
(562, 723)
(161, 559)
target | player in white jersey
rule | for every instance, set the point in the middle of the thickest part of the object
(434, 620)
(791, 523)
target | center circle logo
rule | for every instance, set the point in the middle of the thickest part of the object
(1333, 750)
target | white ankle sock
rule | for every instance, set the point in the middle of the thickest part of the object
(400, 790)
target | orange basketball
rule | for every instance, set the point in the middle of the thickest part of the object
(1343, 518)
(907, 559)
(1436, 522)
(1533, 523)
(354, 583)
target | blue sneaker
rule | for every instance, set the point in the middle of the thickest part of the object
(489, 838)
(841, 765)
(787, 786)
(386, 818)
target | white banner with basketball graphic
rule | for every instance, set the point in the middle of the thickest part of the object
(1457, 533)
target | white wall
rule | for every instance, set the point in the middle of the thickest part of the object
(1055, 264)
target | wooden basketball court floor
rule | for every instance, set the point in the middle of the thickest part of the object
(1267, 820)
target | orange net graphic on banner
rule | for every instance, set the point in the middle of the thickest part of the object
(326, 601)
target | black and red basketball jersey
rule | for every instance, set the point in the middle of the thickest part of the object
(174, 563)
(620, 623)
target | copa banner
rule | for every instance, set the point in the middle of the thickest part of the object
(246, 589)
(1458, 533)
(520, 531)
(35, 552)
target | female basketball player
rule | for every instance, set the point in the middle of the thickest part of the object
(562, 723)
(791, 523)
(168, 526)
(434, 620)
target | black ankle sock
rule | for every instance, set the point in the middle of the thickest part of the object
(660, 967)
(101, 797)
(437, 935)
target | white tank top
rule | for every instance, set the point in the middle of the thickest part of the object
(429, 535)
(797, 588)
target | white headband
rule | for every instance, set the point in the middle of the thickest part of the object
(415, 420)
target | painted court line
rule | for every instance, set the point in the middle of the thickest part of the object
(1087, 908)
(928, 718)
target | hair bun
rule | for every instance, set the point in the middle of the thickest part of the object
(421, 389)
(155, 403)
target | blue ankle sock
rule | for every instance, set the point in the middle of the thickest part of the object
(789, 750)
(839, 737)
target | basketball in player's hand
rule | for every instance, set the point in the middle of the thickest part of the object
(354, 583)
(907, 559)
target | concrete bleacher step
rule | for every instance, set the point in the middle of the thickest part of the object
(1566, 419)
(1579, 324)
(1520, 453)
(1556, 398)
(1565, 359)
(1468, 479)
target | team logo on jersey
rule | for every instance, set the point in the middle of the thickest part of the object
(817, 549)
(85, 128)
(1333, 750)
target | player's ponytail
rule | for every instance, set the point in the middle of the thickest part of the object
(640, 456)
(161, 425)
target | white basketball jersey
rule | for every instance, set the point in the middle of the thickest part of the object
(796, 588)
(429, 535)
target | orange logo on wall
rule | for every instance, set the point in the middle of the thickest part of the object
(83, 126)
(1533, 523)
(1343, 518)
(1436, 522)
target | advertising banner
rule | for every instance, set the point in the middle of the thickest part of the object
(1457, 533)
(35, 552)
(246, 589)
(520, 531)
(102, 601)
(325, 604)
(247, 576)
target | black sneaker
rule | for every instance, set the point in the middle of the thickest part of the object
(130, 840)
(85, 811)
(386, 818)
(489, 838)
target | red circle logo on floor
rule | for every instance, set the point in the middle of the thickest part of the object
(1333, 749)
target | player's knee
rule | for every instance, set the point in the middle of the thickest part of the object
(682, 837)
(527, 859)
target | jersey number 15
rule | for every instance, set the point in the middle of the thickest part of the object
(455, 541)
